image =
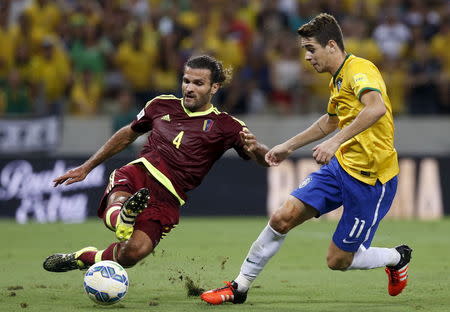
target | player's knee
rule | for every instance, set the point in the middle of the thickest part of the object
(338, 263)
(288, 216)
(130, 258)
(279, 223)
(131, 253)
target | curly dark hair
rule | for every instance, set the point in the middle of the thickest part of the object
(219, 74)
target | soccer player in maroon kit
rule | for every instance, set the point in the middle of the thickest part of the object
(142, 200)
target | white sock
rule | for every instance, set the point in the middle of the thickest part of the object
(243, 283)
(374, 257)
(265, 246)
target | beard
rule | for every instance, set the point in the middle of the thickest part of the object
(197, 102)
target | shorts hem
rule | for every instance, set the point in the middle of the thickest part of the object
(347, 248)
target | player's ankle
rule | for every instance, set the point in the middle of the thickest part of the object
(396, 257)
(243, 283)
(87, 258)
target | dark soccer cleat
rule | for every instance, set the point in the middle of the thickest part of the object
(227, 293)
(135, 204)
(398, 274)
(129, 211)
(66, 262)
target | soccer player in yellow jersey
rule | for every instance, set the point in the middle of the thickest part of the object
(359, 169)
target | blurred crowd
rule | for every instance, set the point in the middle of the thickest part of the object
(88, 57)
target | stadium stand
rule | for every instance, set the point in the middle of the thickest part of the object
(71, 57)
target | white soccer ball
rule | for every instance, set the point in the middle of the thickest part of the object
(106, 282)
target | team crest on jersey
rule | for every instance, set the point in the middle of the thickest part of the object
(207, 124)
(305, 182)
(339, 83)
(166, 118)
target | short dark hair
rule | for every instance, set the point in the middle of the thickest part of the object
(219, 74)
(323, 28)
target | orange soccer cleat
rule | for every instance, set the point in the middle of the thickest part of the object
(398, 274)
(227, 293)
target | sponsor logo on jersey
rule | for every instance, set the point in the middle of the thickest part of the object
(360, 78)
(207, 125)
(166, 118)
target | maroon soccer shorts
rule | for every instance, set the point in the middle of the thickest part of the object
(163, 210)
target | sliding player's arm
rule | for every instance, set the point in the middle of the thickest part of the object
(118, 142)
(254, 149)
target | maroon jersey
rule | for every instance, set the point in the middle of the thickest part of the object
(182, 146)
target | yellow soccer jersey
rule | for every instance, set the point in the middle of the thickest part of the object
(370, 155)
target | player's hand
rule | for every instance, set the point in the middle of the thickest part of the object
(73, 175)
(277, 154)
(249, 140)
(325, 151)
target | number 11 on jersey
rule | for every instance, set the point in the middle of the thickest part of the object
(177, 140)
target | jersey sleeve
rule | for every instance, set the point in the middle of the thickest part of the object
(331, 108)
(233, 137)
(363, 77)
(144, 119)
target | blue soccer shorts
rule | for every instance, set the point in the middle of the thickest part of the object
(364, 205)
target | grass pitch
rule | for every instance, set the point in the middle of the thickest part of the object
(202, 252)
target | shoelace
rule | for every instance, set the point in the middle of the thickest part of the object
(228, 286)
(394, 276)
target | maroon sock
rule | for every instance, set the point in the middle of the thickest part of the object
(111, 252)
(88, 257)
(110, 219)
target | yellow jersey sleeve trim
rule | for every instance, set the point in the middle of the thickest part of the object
(365, 89)
(163, 97)
(158, 175)
(239, 121)
(330, 114)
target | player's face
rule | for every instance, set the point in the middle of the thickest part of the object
(197, 89)
(318, 56)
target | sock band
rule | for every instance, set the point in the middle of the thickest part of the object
(98, 256)
(111, 216)
(275, 232)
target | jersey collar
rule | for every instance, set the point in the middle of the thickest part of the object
(340, 67)
(195, 114)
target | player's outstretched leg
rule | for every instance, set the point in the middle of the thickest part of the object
(262, 250)
(398, 274)
(129, 211)
(228, 293)
(66, 262)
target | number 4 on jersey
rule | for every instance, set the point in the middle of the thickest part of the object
(177, 140)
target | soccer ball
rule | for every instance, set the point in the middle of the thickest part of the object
(106, 282)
